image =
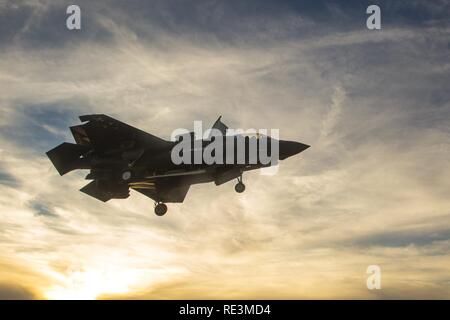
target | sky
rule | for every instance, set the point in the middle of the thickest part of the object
(373, 189)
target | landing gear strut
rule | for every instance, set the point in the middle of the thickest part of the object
(160, 209)
(239, 187)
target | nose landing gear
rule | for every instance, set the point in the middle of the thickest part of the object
(240, 186)
(160, 209)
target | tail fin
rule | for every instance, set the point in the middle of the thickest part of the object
(219, 125)
(66, 157)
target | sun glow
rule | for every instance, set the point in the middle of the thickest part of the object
(91, 284)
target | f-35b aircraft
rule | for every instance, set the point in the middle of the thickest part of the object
(121, 157)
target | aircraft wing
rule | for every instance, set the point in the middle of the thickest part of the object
(164, 189)
(105, 192)
(107, 135)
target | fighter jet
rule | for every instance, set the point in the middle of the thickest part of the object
(121, 157)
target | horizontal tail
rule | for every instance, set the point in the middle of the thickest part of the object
(67, 157)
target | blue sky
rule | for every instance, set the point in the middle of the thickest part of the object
(372, 189)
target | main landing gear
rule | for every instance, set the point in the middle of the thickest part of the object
(239, 187)
(126, 175)
(160, 209)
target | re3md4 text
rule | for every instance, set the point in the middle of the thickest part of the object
(228, 309)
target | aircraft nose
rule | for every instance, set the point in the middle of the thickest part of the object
(290, 148)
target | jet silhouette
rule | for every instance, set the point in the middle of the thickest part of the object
(121, 157)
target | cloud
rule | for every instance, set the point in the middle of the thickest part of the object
(42, 209)
(372, 189)
(7, 179)
(14, 292)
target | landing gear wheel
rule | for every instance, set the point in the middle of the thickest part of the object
(126, 175)
(160, 209)
(239, 187)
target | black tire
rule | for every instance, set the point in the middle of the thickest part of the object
(160, 209)
(239, 187)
